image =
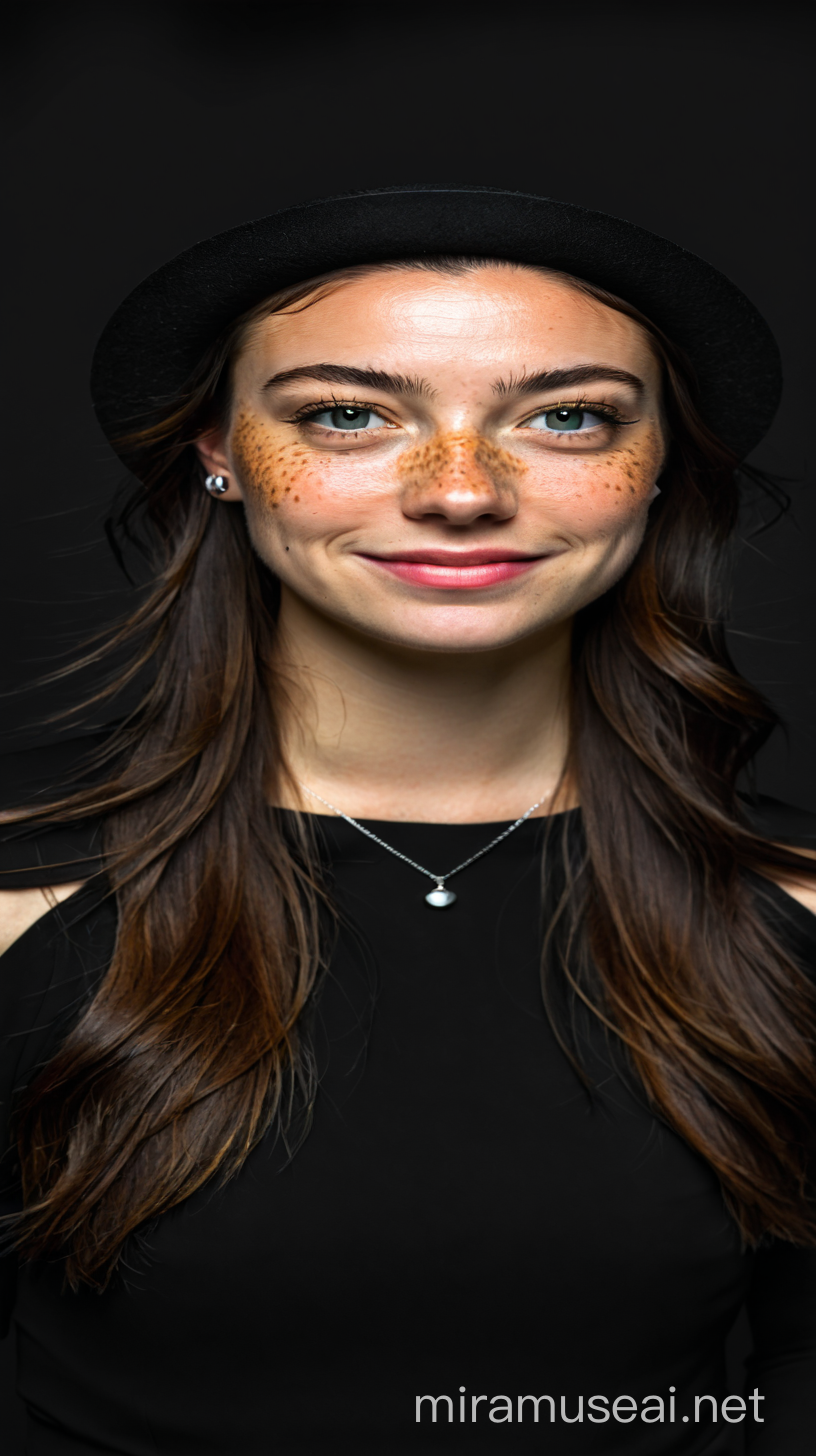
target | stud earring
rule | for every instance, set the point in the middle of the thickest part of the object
(216, 485)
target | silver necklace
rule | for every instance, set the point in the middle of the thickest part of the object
(440, 898)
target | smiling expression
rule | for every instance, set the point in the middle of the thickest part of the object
(448, 463)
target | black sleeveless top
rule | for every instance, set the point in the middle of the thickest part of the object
(468, 1253)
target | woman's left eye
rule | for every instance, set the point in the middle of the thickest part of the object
(347, 417)
(566, 420)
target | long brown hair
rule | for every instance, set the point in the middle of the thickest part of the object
(191, 1044)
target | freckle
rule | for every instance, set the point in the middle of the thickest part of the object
(297, 497)
(617, 487)
(632, 490)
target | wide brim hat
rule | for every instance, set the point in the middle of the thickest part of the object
(155, 339)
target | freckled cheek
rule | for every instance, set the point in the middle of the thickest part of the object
(596, 496)
(312, 495)
(272, 477)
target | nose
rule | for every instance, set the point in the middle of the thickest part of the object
(461, 477)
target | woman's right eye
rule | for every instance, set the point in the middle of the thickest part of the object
(347, 417)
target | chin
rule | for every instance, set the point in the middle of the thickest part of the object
(448, 633)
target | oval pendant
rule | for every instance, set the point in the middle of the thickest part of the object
(440, 898)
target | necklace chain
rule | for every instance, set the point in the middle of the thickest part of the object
(439, 880)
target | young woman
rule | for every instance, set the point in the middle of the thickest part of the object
(409, 1022)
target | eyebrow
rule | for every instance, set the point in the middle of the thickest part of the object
(364, 378)
(415, 388)
(549, 379)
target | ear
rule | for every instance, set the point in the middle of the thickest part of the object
(213, 457)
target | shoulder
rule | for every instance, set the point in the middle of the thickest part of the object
(41, 865)
(45, 855)
(20, 909)
(794, 895)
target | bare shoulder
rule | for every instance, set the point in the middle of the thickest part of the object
(804, 889)
(790, 826)
(19, 909)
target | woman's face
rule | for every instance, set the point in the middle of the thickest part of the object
(448, 463)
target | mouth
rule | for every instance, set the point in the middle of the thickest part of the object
(457, 570)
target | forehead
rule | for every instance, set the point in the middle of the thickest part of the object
(412, 319)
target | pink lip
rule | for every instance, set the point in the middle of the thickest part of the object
(456, 570)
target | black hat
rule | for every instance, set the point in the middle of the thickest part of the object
(154, 340)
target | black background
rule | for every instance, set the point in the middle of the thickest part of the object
(133, 130)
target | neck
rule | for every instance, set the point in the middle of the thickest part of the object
(384, 732)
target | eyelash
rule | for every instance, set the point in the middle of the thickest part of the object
(607, 413)
(311, 411)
